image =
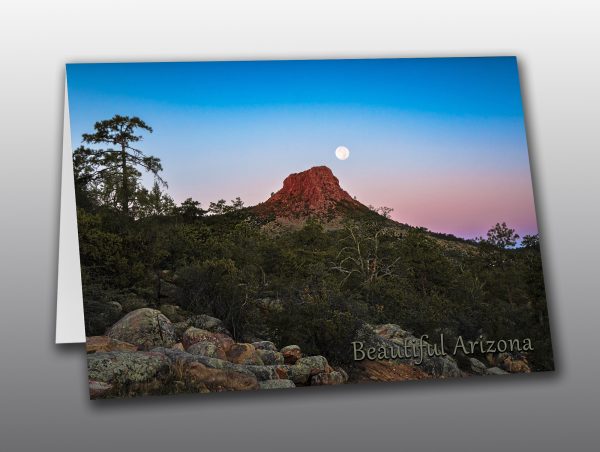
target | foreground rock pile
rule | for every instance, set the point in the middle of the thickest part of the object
(145, 353)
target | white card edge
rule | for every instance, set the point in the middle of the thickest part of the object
(70, 323)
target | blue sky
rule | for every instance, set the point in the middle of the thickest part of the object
(442, 141)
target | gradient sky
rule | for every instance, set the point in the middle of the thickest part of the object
(441, 141)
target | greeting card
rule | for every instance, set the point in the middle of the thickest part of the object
(264, 225)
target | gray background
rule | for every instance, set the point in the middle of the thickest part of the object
(43, 394)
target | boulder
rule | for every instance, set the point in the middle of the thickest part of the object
(181, 360)
(263, 373)
(314, 364)
(146, 328)
(391, 331)
(300, 375)
(276, 384)
(477, 367)
(207, 349)
(178, 346)
(95, 344)
(270, 356)
(180, 328)
(343, 373)
(265, 345)
(332, 378)
(513, 365)
(202, 322)
(519, 366)
(200, 377)
(391, 335)
(208, 323)
(291, 354)
(495, 371)
(131, 372)
(194, 335)
(99, 389)
(281, 371)
(244, 354)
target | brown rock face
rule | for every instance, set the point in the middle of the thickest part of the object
(195, 335)
(388, 371)
(95, 344)
(314, 192)
(291, 354)
(201, 377)
(243, 354)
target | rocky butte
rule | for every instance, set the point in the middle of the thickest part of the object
(315, 192)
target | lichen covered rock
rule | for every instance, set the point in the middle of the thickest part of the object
(270, 357)
(265, 345)
(131, 372)
(207, 349)
(194, 335)
(477, 367)
(495, 371)
(326, 379)
(145, 328)
(276, 384)
(206, 322)
(315, 364)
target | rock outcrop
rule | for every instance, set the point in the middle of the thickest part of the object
(145, 327)
(204, 361)
(140, 355)
(388, 371)
(390, 335)
(276, 384)
(195, 335)
(310, 193)
(244, 354)
(291, 354)
(270, 357)
(95, 344)
(206, 379)
(129, 373)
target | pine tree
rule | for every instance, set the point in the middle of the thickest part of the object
(123, 160)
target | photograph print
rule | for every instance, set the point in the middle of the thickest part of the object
(260, 225)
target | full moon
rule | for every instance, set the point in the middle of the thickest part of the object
(342, 152)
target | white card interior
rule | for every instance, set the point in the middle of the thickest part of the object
(70, 326)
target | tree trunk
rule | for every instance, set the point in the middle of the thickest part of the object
(125, 181)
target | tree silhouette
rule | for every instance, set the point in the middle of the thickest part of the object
(121, 132)
(502, 236)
